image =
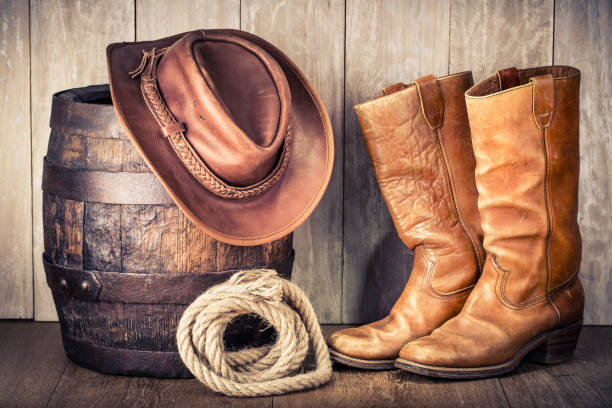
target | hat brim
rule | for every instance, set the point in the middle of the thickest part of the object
(266, 217)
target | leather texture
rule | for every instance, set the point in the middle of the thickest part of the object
(143, 288)
(230, 126)
(508, 78)
(119, 187)
(419, 142)
(525, 141)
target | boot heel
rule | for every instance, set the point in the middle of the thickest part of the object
(558, 347)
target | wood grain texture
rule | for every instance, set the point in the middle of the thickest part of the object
(582, 382)
(80, 387)
(32, 362)
(149, 238)
(582, 39)
(125, 238)
(68, 40)
(357, 388)
(78, 151)
(102, 237)
(386, 41)
(145, 327)
(160, 18)
(15, 163)
(488, 35)
(383, 47)
(311, 33)
(63, 232)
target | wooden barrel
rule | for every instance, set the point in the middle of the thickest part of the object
(121, 259)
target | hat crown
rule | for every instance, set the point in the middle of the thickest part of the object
(294, 131)
(233, 100)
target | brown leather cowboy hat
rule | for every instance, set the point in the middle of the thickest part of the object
(230, 125)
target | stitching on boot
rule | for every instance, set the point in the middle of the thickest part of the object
(500, 288)
(473, 241)
(431, 263)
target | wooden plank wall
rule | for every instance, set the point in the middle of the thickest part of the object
(377, 34)
(68, 42)
(583, 34)
(316, 44)
(349, 259)
(15, 163)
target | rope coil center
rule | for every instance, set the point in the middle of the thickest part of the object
(259, 371)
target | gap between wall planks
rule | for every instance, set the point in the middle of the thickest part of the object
(383, 42)
(386, 42)
(318, 243)
(582, 39)
(488, 35)
(161, 18)
(316, 45)
(15, 162)
(68, 40)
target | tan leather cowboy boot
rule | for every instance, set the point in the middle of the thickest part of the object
(529, 299)
(419, 142)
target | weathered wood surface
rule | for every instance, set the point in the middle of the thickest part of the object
(68, 43)
(34, 373)
(80, 387)
(487, 35)
(15, 185)
(127, 238)
(102, 244)
(160, 18)
(383, 46)
(582, 382)
(63, 231)
(349, 260)
(311, 33)
(32, 362)
(583, 32)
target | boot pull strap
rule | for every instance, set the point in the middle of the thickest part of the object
(391, 89)
(507, 78)
(432, 104)
(543, 99)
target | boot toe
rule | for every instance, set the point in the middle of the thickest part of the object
(348, 341)
(363, 343)
(418, 351)
(428, 351)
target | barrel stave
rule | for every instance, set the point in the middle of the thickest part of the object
(102, 237)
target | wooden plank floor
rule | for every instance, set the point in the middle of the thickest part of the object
(34, 372)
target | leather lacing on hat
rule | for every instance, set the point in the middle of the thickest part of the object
(174, 131)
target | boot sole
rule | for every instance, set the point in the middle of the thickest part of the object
(361, 363)
(552, 347)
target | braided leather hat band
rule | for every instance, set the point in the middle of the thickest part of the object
(174, 131)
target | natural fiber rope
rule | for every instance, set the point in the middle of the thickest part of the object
(250, 372)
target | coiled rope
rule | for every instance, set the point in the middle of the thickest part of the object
(250, 372)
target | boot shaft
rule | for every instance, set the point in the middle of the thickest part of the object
(418, 139)
(524, 126)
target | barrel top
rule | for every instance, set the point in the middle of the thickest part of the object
(86, 111)
(98, 94)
